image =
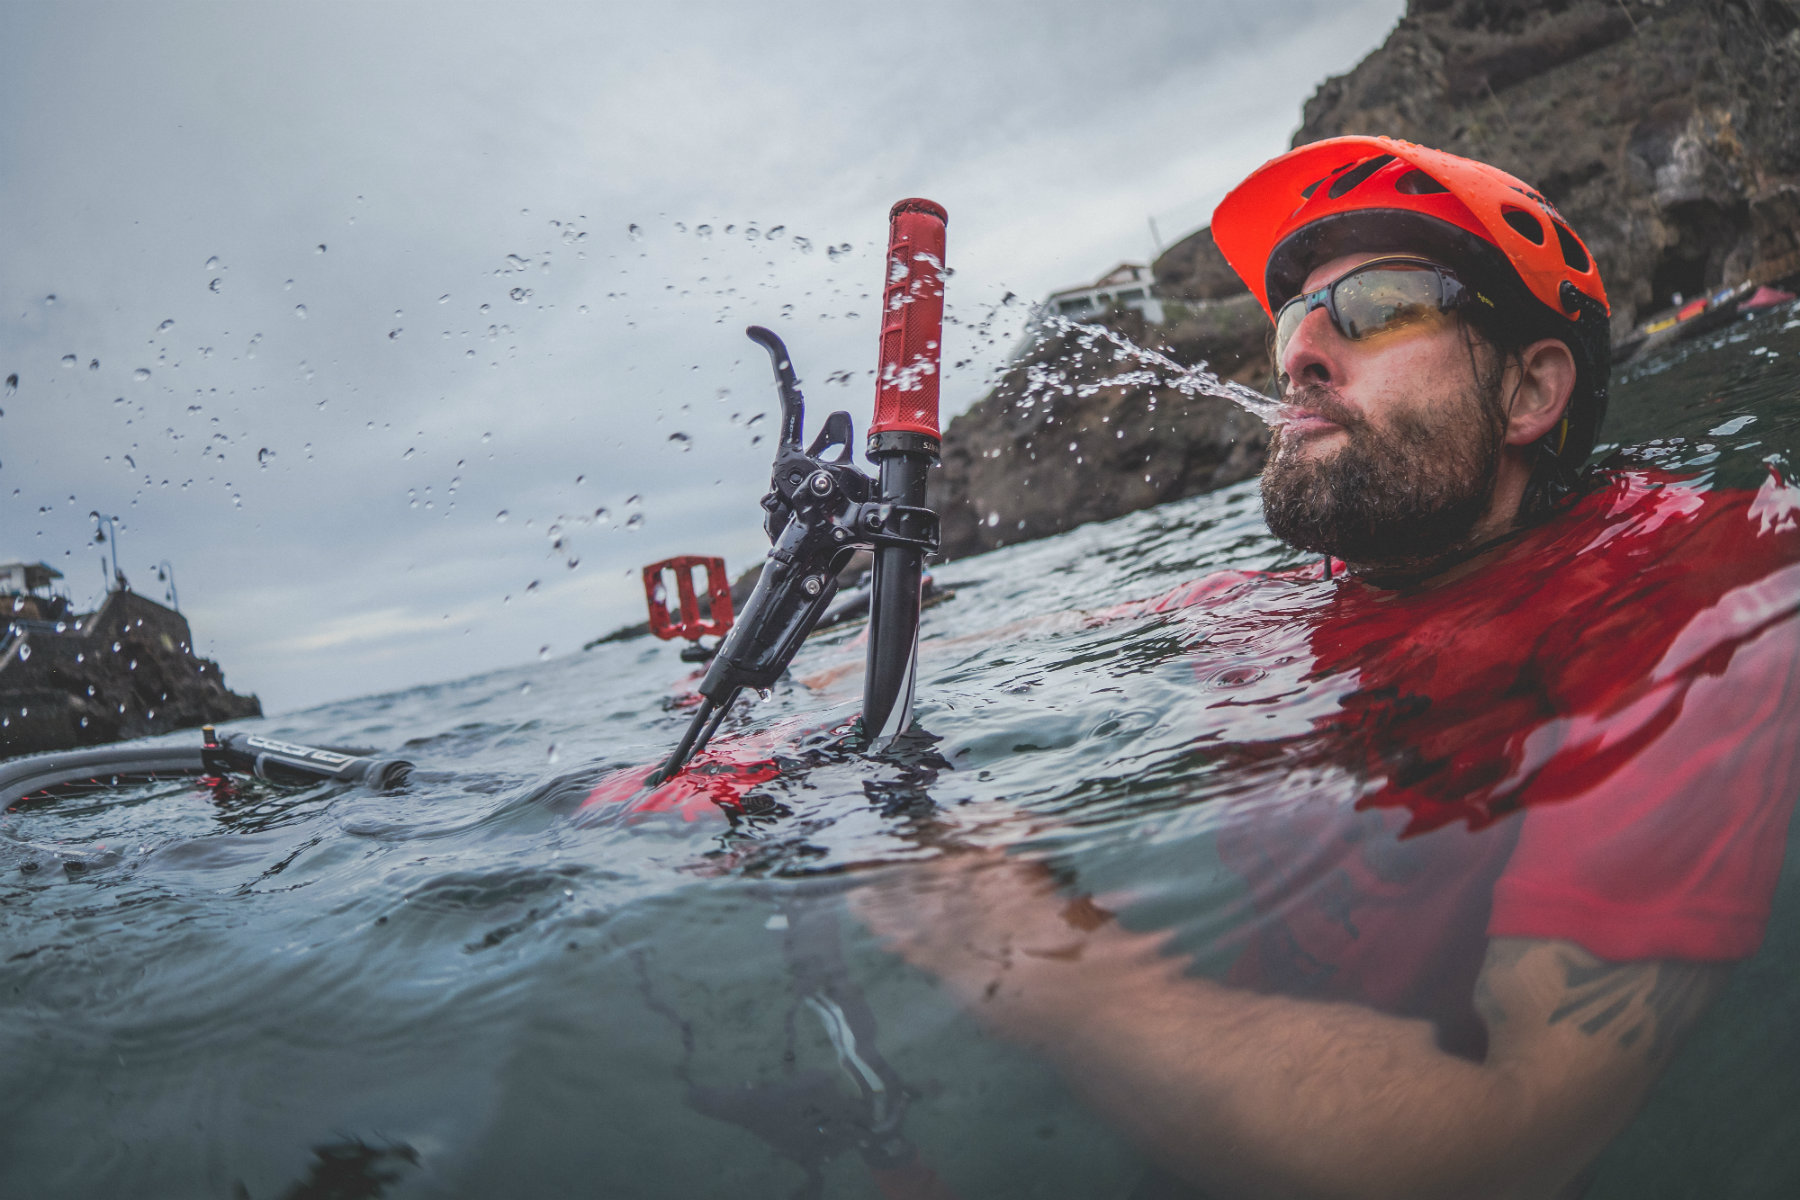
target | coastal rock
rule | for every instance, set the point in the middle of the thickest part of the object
(126, 670)
(1666, 131)
(1075, 433)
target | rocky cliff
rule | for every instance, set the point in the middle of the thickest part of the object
(1665, 130)
(1077, 432)
(1668, 133)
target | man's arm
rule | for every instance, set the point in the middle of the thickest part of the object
(1259, 1096)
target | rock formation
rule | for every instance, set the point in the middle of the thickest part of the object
(1666, 131)
(127, 670)
(1057, 443)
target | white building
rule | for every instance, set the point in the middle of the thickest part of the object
(26, 577)
(1127, 284)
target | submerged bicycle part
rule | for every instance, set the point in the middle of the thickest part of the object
(290, 762)
(685, 620)
(805, 1114)
(239, 753)
(904, 443)
(819, 510)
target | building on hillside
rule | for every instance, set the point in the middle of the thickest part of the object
(1128, 285)
(25, 593)
(25, 578)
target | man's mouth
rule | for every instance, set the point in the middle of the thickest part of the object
(1318, 413)
(1301, 421)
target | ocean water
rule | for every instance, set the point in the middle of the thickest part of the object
(479, 987)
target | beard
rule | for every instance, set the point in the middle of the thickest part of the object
(1397, 497)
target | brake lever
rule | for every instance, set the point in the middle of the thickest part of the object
(818, 511)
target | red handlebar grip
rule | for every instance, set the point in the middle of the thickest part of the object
(912, 321)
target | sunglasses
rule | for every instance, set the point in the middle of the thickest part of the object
(1379, 296)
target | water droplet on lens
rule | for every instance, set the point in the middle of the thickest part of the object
(69, 360)
(166, 325)
(532, 586)
(501, 516)
(682, 440)
(12, 382)
(543, 653)
(520, 295)
(635, 521)
(141, 374)
(213, 263)
(410, 451)
(393, 334)
(214, 285)
(634, 233)
(25, 651)
(263, 456)
(704, 231)
(444, 299)
(776, 232)
(320, 249)
(93, 364)
(300, 311)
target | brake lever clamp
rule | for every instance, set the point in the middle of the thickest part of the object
(833, 491)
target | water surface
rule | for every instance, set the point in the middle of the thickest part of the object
(477, 988)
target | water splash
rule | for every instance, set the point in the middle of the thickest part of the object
(1152, 369)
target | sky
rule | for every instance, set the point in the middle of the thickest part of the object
(403, 334)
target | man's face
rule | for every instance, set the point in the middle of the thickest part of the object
(1396, 456)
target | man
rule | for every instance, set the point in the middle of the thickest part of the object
(1517, 757)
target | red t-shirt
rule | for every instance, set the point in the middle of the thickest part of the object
(1622, 678)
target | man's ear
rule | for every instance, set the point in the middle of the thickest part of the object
(1546, 378)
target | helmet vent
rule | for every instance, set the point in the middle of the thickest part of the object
(1417, 183)
(1572, 251)
(1350, 179)
(1307, 191)
(1524, 224)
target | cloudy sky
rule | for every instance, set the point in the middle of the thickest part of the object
(407, 332)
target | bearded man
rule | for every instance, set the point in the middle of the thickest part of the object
(1516, 759)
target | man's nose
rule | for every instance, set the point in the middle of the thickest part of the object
(1311, 355)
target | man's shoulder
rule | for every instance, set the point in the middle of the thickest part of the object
(1648, 503)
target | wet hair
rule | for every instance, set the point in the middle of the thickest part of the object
(1555, 478)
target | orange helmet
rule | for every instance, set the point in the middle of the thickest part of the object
(1348, 194)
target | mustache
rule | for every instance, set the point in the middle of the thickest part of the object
(1322, 401)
